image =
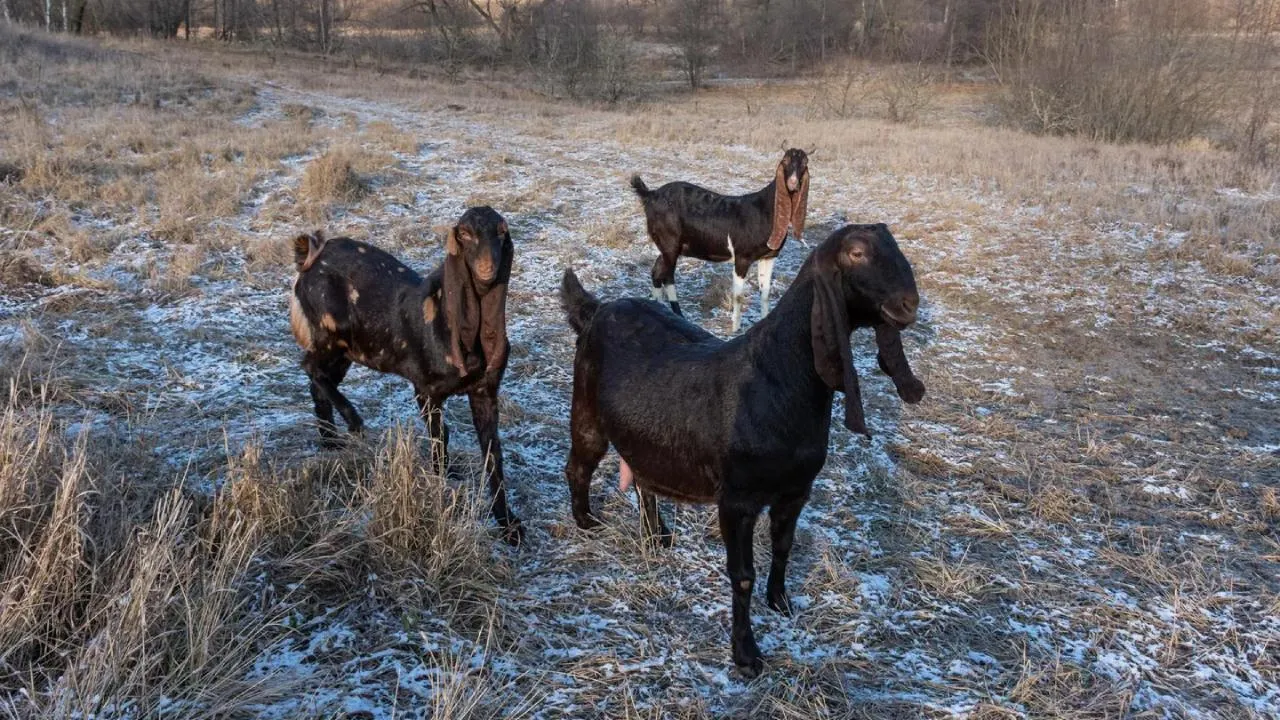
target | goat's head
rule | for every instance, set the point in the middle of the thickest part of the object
(476, 270)
(790, 196)
(859, 273)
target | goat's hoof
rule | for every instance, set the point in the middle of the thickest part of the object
(586, 521)
(911, 391)
(750, 668)
(513, 533)
(662, 539)
(779, 602)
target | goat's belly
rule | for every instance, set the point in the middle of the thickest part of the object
(668, 477)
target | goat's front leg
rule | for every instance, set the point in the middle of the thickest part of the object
(739, 293)
(893, 361)
(782, 531)
(484, 413)
(764, 274)
(437, 430)
(737, 528)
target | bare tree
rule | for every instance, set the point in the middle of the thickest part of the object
(694, 26)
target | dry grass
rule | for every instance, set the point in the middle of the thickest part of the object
(100, 613)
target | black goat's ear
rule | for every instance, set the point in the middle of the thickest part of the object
(830, 328)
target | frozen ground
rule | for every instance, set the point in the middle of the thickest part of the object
(1072, 524)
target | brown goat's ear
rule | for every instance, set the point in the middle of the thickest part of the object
(451, 241)
(781, 209)
(832, 357)
(306, 248)
(461, 311)
(800, 208)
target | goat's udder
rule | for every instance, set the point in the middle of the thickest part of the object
(624, 475)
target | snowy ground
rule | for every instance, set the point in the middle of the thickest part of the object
(1074, 523)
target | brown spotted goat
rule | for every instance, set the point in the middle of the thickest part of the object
(685, 219)
(445, 333)
(743, 423)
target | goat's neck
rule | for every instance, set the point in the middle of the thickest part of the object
(784, 338)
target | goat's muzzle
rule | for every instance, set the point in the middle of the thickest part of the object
(485, 271)
(901, 312)
(793, 182)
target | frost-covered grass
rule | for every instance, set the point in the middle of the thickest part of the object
(1079, 521)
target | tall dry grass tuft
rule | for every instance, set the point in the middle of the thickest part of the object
(427, 536)
(332, 179)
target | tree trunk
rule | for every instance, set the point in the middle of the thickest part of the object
(4, 6)
(48, 14)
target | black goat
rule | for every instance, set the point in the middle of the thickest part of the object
(446, 333)
(742, 423)
(684, 219)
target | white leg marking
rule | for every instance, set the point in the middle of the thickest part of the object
(655, 293)
(671, 292)
(764, 273)
(739, 290)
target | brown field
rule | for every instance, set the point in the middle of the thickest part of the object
(1081, 520)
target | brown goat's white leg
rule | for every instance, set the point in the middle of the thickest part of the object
(764, 274)
(739, 292)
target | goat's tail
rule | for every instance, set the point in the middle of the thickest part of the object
(638, 185)
(306, 248)
(579, 305)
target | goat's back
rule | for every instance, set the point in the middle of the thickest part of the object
(377, 307)
(699, 222)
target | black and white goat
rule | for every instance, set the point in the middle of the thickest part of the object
(742, 423)
(685, 219)
(445, 333)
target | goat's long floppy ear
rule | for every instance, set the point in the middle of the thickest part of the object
(493, 312)
(799, 208)
(781, 208)
(461, 308)
(832, 357)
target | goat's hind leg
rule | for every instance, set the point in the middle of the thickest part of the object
(664, 280)
(588, 445)
(326, 372)
(655, 531)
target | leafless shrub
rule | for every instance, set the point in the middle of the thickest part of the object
(1140, 71)
(906, 92)
(842, 91)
